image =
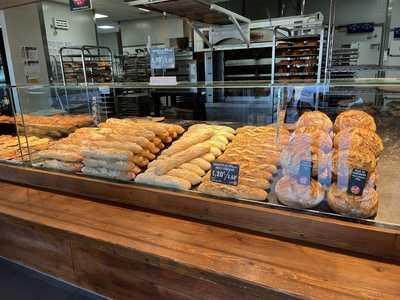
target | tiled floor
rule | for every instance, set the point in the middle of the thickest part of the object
(19, 283)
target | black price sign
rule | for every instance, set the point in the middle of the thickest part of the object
(225, 173)
(305, 172)
(357, 182)
(76, 5)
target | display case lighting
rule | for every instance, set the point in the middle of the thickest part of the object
(100, 16)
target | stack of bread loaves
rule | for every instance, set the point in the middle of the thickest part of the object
(256, 150)
(357, 148)
(118, 149)
(306, 162)
(186, 161)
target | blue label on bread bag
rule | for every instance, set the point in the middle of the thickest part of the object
(225, 173)
(357, 182)
(305, 172)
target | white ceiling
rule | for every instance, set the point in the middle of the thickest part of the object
(117, 10)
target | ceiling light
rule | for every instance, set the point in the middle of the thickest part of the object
(106, 27)
(143, 9)
(100, 16)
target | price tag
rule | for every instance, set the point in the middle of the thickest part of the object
(305, 172)
(162, 58)
(225, 173)
(357, 182)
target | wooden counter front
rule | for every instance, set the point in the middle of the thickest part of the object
(132, 254)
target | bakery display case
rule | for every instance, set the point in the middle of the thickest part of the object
(285, 150)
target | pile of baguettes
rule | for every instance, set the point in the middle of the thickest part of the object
(118, 149)
(186, 161)
(257, 152)
(355, 145)
(10, 146)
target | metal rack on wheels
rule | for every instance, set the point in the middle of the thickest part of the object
(84, 66)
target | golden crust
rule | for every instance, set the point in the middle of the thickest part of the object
(295, 195)
(315, 118)
(344, 162)
(354, 118)
(314, 136)
(364, 206)
(357, 138)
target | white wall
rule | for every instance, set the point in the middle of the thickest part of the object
(22, 28)
(109, 40)
(82, 27)
(160, 29)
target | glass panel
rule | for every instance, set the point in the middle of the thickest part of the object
(324, 149)
(10, 137)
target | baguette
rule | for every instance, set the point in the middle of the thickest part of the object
(208, 157)
(178, 159)
(60, 165)
(185, 174)
(164, 181)
(114, 165)
(187, 142)
(235, 192)
(107, 173)
(192, 168)
(107, 154)
(60, 155)
(201, 163)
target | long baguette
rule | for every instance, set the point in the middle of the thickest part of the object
(176, 160)
(236, 192)
(164, 181)
(182, 145)
(190, 176)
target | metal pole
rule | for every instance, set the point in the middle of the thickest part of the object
(328, 40)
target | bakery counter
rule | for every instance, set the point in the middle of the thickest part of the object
(133, 254)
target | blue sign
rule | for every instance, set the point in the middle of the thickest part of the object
(162, 58)
(396, 33)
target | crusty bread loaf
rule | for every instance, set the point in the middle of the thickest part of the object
(356, 138)
(107, 154)
(313, 136)
(60, 165)
(190, 176)
(113, 165)
(317, 119)
(108, 173)
(344, 162)
(176, 160)
(60, 155)
(364, 206)
(164, 181)
(235, 192)
(188, 142)
(293, 194)
(354, 118)
(201, 163)
(193, 168)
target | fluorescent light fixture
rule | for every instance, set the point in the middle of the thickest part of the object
(143, 9)
(100, 16)
(106, 27)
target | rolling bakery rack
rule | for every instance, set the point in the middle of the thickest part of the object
(88, 65)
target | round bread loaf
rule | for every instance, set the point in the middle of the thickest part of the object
(354, 118)
(316, 118)
(342, 182)
(293, 194)
(344, 162)
(364, 206)
(356, 138)
(318, 138)
(321, 162)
